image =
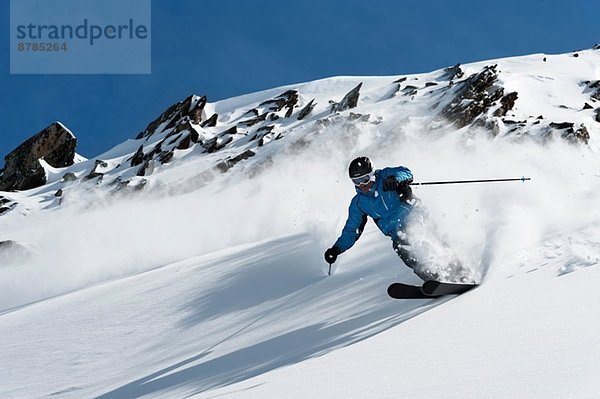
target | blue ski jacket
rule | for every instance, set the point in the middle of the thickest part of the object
(387, 209)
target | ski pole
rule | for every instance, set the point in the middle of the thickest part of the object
(430, 183)
(329, 273)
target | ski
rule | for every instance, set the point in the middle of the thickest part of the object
(437, 288)
(406, 291)
(430, 289)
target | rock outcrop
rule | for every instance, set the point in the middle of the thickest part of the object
(22, 169)
(6, 205)
(304, 112)
(453, 72)
(567, 131)
(190, 109)
(507, 103)
(473, 97)
(285, 100)
(349, 101)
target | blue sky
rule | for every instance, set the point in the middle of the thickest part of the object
(224, 48)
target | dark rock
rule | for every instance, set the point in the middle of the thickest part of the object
(22, 170)
(576, 55)
(165, 157)
(491, 125)
(597, 114)
(362, 117)
(172, 133)
(400, 80)
(596, 47)
(254, 121)
(174, 140)
(581, 135)
(587, 106)
(511, 122)
(185, 143)
(273, 105)
(274, 117)
(265, 129)
(217, 143)
(304, 112)
(94, 173)
(187, 111)
(6, 205)
(59, 193)
(187, 125)
(349, 101)
(146, 169)
(265, 134)
(263, 140)
(138, 157)
(454, 72)
(285, 100)
(472, 98)
(152, 126)
(227, 164)
(544, 59)
(507, 103)
(210, 122)
(252, 111)
(596, 94)
(196, 111)
(429, 84)
(409, 90)
(561, 125)
(69, 176)
(231, 130)
(183, 111)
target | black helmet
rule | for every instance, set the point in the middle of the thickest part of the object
(359, 167)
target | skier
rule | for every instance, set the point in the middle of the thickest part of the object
(384, 195)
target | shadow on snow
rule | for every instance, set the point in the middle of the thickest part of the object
(277, 278)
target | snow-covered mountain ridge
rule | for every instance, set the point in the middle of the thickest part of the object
(188, 262)
(537, 97)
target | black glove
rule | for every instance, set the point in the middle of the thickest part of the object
(331, 254)
(391, 184)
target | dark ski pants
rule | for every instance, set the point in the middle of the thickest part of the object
(402, 248)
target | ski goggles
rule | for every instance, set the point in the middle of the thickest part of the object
(364, 179)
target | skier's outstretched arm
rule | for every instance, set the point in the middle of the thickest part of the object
(351, 232)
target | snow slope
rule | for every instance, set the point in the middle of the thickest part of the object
(217, 288)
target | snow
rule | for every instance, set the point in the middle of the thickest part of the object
(213, 285)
